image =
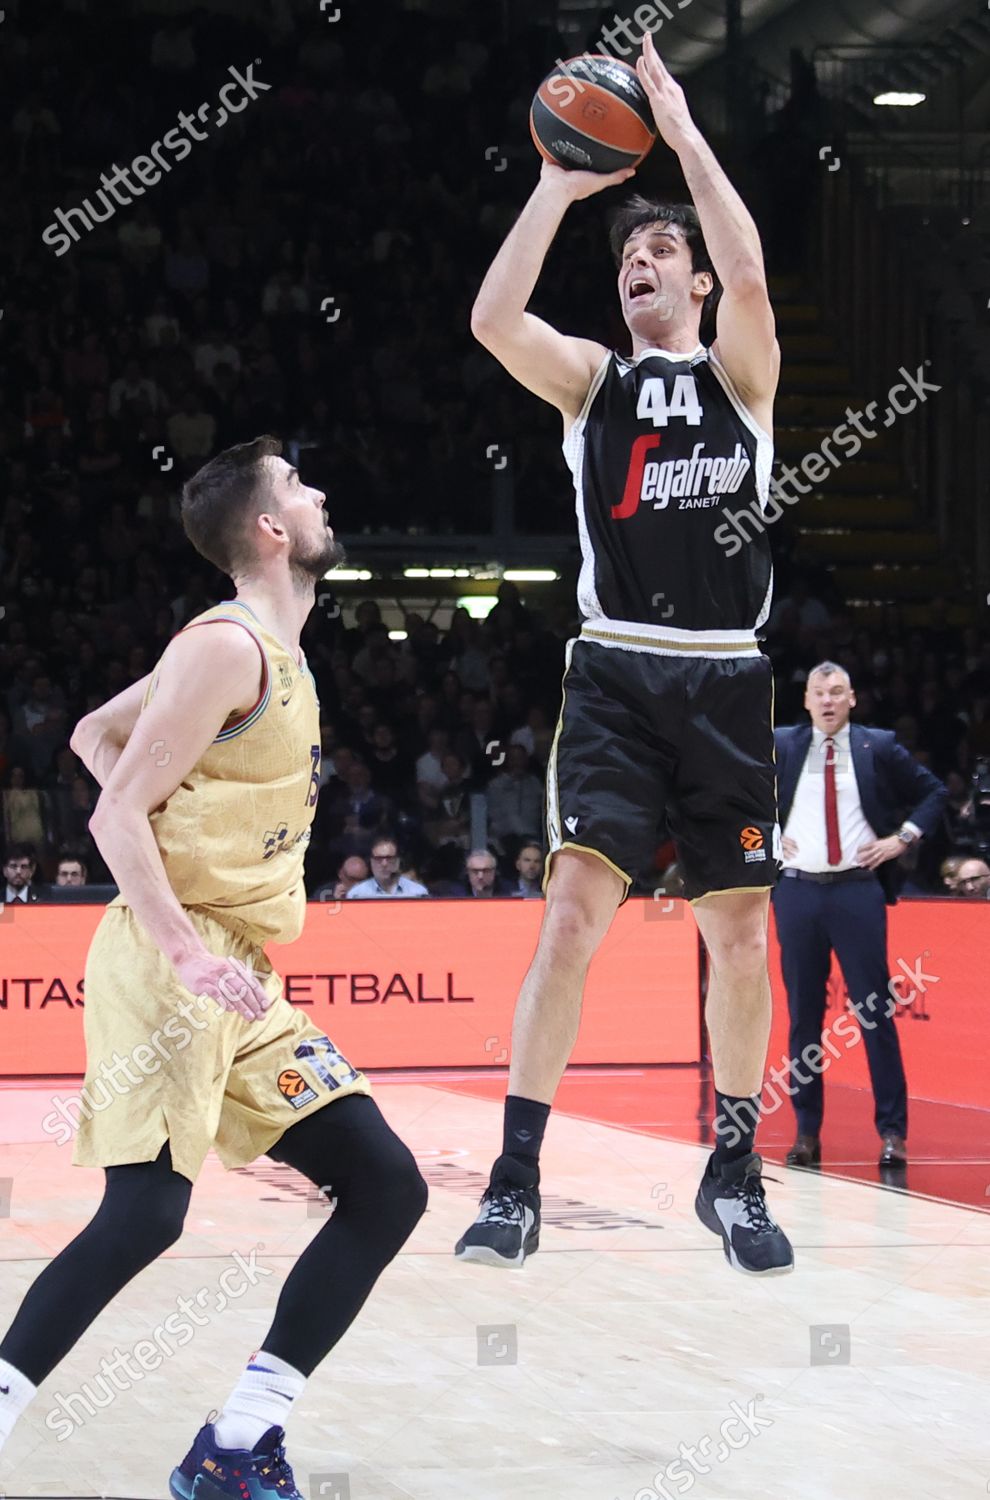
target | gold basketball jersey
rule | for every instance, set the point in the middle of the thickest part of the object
(234, 833)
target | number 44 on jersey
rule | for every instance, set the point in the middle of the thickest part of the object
(653, 406)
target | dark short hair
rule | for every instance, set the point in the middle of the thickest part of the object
(638, 211)
(75, 856)
(223, 497)
(20, 851)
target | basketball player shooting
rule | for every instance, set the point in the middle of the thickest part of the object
(210, 769)
(666, 696)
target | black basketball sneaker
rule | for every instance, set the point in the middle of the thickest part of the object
(731, 1202)
(508, 1227)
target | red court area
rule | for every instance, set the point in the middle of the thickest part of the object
(949, 1145)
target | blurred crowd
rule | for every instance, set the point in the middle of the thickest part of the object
(255, 289)
(435, 747)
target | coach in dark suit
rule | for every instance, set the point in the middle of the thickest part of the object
(850, 801)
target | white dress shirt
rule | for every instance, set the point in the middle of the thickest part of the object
(371, 890)
(12, 895)
(806, 823)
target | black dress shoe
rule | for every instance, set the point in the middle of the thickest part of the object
(806, 1152)
(893, 1151)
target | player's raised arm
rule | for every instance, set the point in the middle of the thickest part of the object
(746, 344)
(197, 692)
(553, 365)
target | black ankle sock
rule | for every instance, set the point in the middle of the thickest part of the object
(522, 1132)
(736, 1118)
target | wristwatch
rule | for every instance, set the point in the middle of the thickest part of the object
(907, 835)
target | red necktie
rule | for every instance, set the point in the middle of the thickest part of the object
(831, 807)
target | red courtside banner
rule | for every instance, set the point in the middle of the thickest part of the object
(938, 955)
(396, 984)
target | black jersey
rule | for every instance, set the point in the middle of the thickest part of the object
(662, 450)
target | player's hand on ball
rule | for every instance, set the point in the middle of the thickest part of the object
(666, 96)
(577, 185)
(228, 981)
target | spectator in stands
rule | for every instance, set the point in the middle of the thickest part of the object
(386, 879)
(483, 878)
(389, 768)
(352, 871)
(529, 872)
(973, 880)
(476, 744)
(191, 430)
(514, 798)
(536, 735)
(798, 610)
(429, 766)
(447, 810)
(24, 812)
(958, 811)
(949, 871)
(71, 869)
(358, 813)
(19, 866)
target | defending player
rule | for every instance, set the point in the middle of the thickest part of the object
(210, 774)
(667, 698)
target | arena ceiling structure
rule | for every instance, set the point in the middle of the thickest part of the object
(922, 44)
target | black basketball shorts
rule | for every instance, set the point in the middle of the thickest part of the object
(641, 735)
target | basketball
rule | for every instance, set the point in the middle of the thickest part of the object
(591, 113)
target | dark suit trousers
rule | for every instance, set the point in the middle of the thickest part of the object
(849, 917)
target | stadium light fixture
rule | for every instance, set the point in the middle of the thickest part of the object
(892, 96)
(478, 606)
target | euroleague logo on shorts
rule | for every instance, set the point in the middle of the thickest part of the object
(295, 1088)
(753, 843)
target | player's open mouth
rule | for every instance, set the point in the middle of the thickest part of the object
(640, 287)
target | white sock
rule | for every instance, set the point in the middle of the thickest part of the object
(15, 1393)
(262, 1398)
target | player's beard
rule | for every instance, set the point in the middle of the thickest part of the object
(309, 561)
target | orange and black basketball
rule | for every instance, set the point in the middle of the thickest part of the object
(591, 113)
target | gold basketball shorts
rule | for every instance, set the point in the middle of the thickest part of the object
(163, 1065)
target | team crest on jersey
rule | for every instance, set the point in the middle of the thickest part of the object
(293, 1087)
(285, 677)
(753, 845)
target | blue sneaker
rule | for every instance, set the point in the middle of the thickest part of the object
(209, 1472)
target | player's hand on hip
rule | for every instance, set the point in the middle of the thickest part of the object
(788, 847)
(577, 185)
(229, 981)
(666, 96)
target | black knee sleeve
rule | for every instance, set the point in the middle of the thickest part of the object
(348, 1149)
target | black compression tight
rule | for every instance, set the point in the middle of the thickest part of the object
(346, 1146)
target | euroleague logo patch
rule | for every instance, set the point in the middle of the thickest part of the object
(752, 842)
(295, 1088)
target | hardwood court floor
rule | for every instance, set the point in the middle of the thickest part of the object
(624, 1346)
